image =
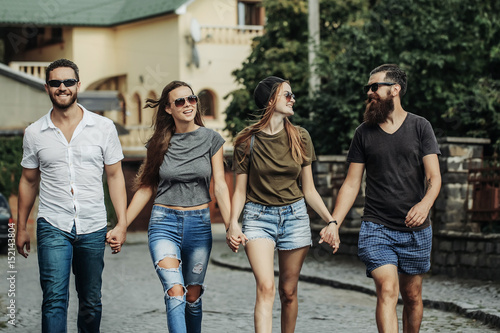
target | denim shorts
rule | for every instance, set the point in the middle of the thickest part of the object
(287, 226)
(409, 251)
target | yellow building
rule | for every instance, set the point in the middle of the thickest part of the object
(128, 50)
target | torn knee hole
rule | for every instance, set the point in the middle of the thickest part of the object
(169, 263)
(194, 293)
(177, 290)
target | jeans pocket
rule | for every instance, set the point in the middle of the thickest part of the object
(157, 215)
(45, 231)
(251, 215)
(300, 213)
(205, 217)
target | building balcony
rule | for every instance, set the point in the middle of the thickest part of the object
(35, 68)
(243, 34)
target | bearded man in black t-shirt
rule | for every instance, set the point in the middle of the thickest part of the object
(400, 153)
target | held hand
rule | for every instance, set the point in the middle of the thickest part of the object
(235, 237)
(115, 238)
(22, 241)
(417, 215)
(330, 235)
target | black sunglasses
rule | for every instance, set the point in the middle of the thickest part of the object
(67, 83)
(289, 96)
(374, 86)
(181, 101)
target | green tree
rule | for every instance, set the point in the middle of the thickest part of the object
(449, 49)
(445, 48)
(281, 51)
(11, 153)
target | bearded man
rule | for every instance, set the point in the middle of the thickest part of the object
(400, 153)
(66, 152)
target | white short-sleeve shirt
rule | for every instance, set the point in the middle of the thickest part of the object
(71, 187)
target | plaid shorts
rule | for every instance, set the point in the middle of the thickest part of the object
(409, 251)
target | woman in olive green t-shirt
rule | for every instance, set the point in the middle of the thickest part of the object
(272, 160)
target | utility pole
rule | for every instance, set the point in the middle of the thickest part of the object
(313, 45)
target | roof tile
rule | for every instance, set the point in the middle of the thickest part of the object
(83, 13)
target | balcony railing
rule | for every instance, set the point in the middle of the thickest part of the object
(230, 34)
(35, 68)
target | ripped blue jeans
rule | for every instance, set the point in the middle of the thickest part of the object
(186, 236)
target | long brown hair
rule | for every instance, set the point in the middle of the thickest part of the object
(163, 129)
(294, 138)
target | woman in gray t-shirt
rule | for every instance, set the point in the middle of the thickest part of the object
(182, 156)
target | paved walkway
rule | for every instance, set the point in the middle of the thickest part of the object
(479, 300)
(133, 302)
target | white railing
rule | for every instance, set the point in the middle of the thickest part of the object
(230, 34)
(35, 68)
(136, 138)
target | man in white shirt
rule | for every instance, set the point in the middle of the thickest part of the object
(66, 152)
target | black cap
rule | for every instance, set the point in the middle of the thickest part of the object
(264, 89)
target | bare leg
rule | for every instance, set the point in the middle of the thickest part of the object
(260, 253)
(290, 264)
(413, 309)
(387, 285)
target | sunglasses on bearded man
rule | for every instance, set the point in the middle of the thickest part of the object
(57, 83)
(374, 86)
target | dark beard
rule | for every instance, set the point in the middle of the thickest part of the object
(378, 110)
(63, 106)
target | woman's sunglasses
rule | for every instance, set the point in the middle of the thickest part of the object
(374, 86)
(57, 83)
(289, 96)
(181, 101)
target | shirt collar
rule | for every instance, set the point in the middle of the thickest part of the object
(87, 119)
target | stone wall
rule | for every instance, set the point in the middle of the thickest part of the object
(459, 249)
(466, 255)
(457, 156)
(329, 174)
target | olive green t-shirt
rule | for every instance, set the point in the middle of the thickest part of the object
(274, 175)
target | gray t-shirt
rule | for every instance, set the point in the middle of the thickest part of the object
(187, 168)
(395, 175)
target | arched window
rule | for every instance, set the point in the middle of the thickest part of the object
(123, 107)
(137, 107)
(207, 102)
(149, 113)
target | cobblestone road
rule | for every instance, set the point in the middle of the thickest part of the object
(133, 301)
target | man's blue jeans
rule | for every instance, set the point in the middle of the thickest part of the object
(58, 252)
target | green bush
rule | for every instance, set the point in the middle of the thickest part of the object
(11, 154)
(450, 50)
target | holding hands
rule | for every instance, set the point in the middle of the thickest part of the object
(116, 237)
(330, 235)
(235, 237)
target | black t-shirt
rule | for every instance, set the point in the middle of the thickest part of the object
(395, 174)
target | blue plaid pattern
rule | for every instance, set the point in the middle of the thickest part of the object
(409, 251)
